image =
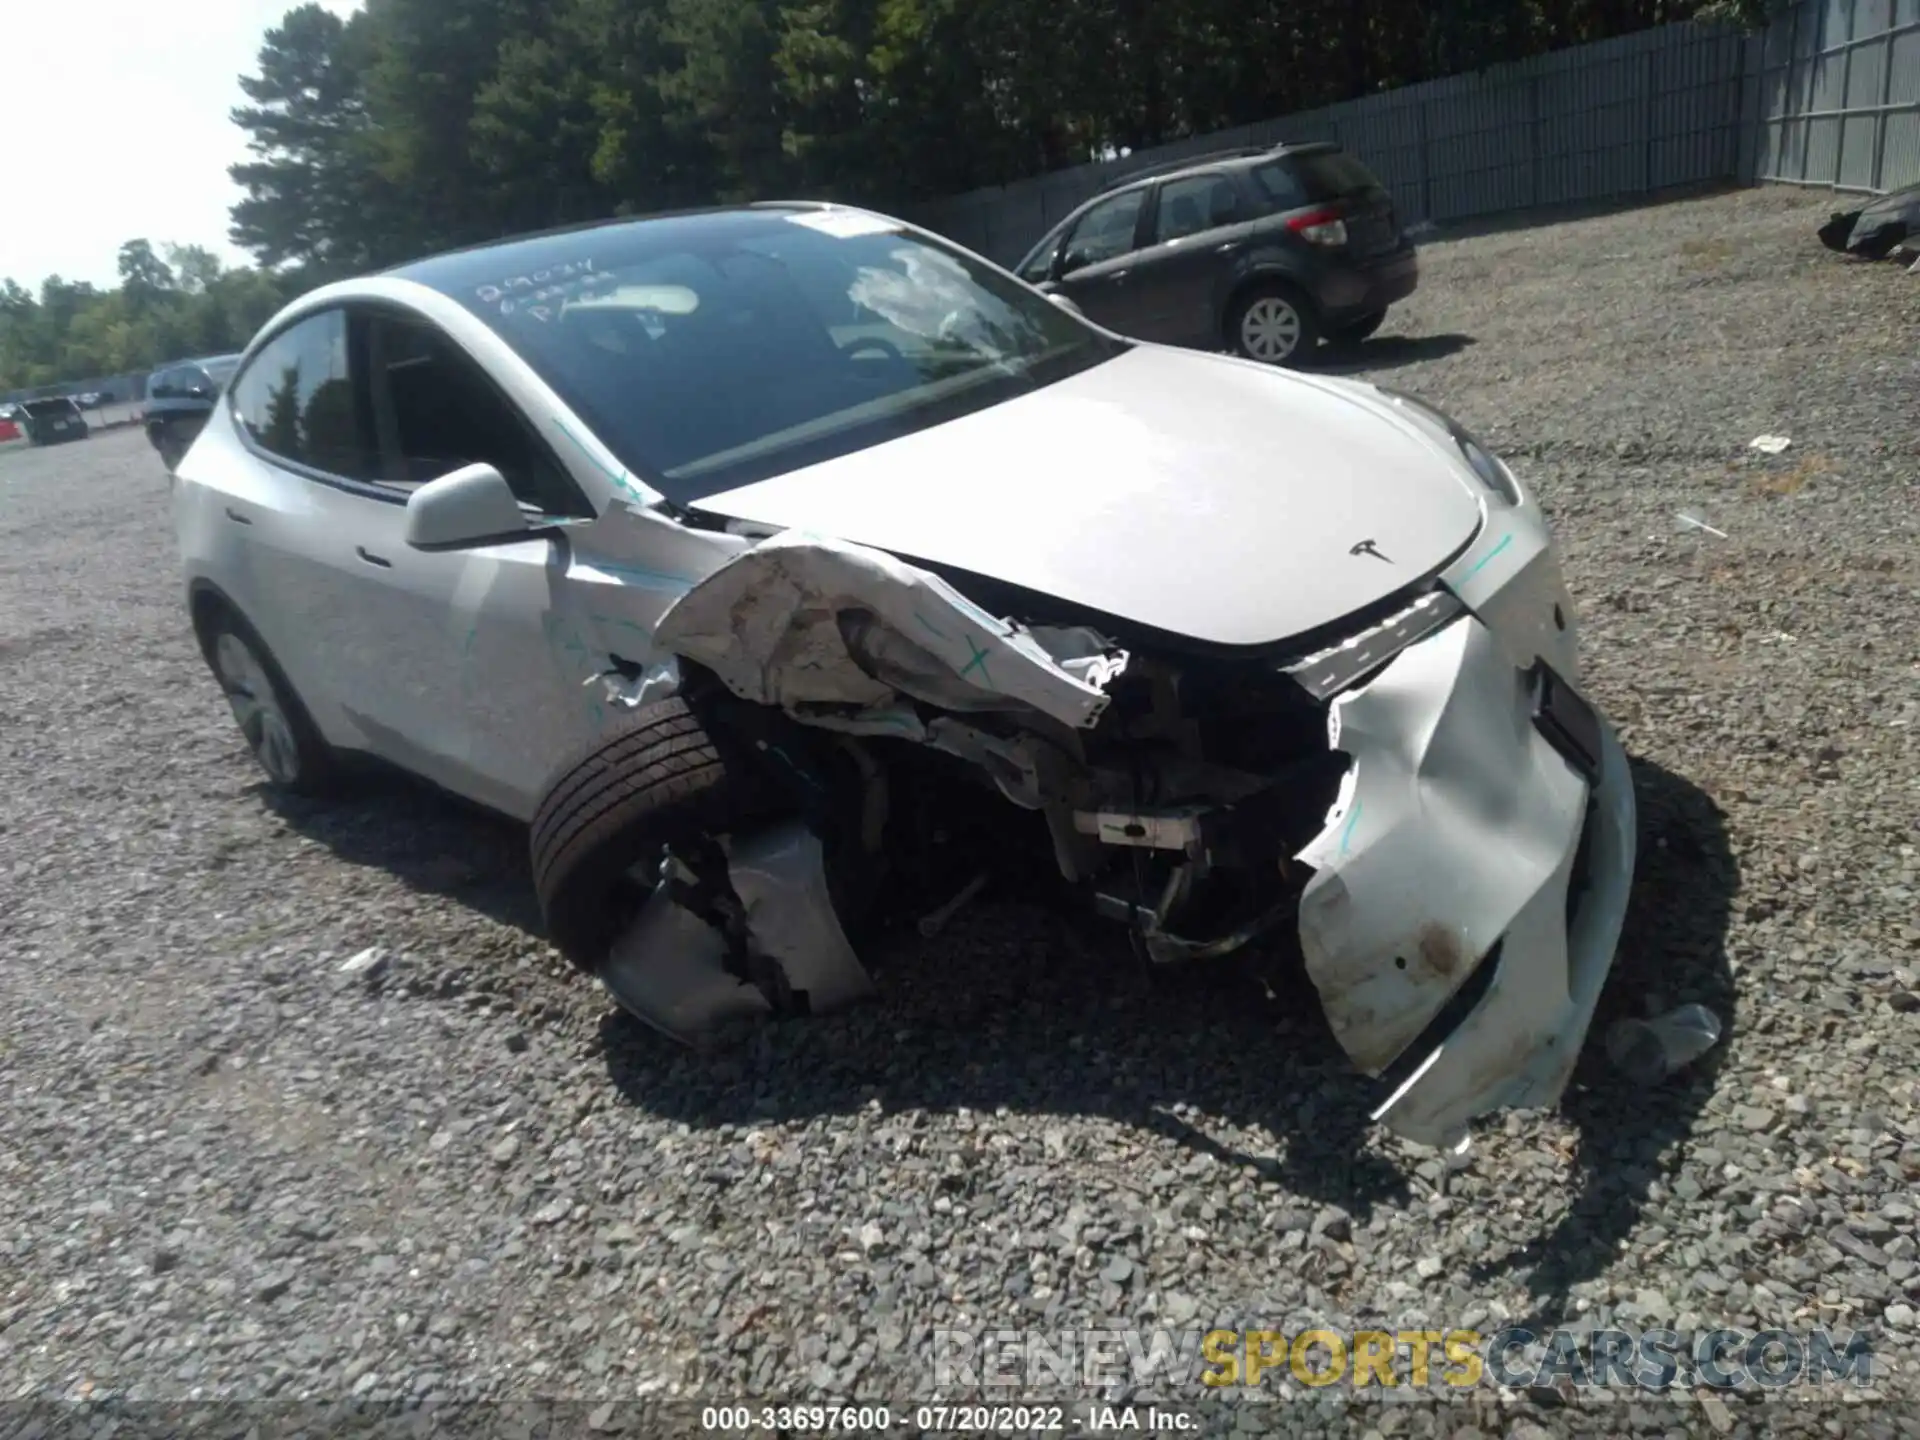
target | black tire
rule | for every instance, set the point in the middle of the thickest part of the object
(172, 451)
(294, 757)
(1244, 316)
(618, 801)
(1354, 331)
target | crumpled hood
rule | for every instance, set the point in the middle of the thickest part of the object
(1216, 500)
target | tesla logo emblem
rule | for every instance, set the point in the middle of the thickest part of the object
(1367, 547)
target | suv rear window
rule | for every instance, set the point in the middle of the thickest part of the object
(43, 409)
(1332, 175)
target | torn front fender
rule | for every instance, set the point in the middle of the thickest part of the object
(1453, 846)
(814, 625)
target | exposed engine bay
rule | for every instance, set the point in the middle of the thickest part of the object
(1176, 789)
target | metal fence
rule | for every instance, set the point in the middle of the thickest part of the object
(1678, 105)
(107, 400)
(1834, 97)
(112, 389)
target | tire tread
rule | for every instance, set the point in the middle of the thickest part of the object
(614, 799)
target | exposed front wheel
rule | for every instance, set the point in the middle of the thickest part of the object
(1274, 326)
(616, 807)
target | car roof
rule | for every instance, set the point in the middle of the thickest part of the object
(1215, 160)
(498, 261)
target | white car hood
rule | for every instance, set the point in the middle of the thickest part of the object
(1201, 496)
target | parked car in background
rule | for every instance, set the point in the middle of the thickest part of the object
(180, 396)
(1262, 251)
(747, 552)
(52, 421)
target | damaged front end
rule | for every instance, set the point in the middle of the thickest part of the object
(1428, 804)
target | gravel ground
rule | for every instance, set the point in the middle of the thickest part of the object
(232, 1170)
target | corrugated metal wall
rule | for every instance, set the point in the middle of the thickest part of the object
(1829, 94)
(1835, 97)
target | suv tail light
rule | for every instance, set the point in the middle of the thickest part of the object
(1320, 227)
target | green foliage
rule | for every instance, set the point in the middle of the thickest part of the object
(164, 309)
(415, 125)
(425, 123)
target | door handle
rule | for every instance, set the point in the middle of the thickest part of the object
(1120, 274)
(371, 558)
(1228, 248)
(237, 518)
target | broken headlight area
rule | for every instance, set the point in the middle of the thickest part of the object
(1198, 788)
(1444, 830)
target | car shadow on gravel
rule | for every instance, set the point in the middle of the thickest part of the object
(1390, 352)
(1019, 1009)
(1673, 952)
(428, 840)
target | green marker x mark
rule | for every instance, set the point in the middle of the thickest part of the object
(979, 659)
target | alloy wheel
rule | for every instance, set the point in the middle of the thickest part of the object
(257, 708)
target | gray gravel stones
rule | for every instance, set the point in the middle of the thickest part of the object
(234, 1171)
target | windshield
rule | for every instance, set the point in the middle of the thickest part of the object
(711, 351)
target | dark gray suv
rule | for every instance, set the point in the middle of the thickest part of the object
(1265, 252)
(180, 396)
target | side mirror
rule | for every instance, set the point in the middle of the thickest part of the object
(1070, 261)
(467, 510)
(199, 392)
(1065, 302)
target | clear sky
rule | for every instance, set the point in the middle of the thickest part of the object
(134, 94)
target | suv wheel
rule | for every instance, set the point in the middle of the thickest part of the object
(1273, 325)
(282, 739)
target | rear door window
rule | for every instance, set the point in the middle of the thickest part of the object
(1195, 203)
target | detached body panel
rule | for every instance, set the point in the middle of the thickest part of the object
(1464, 842)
